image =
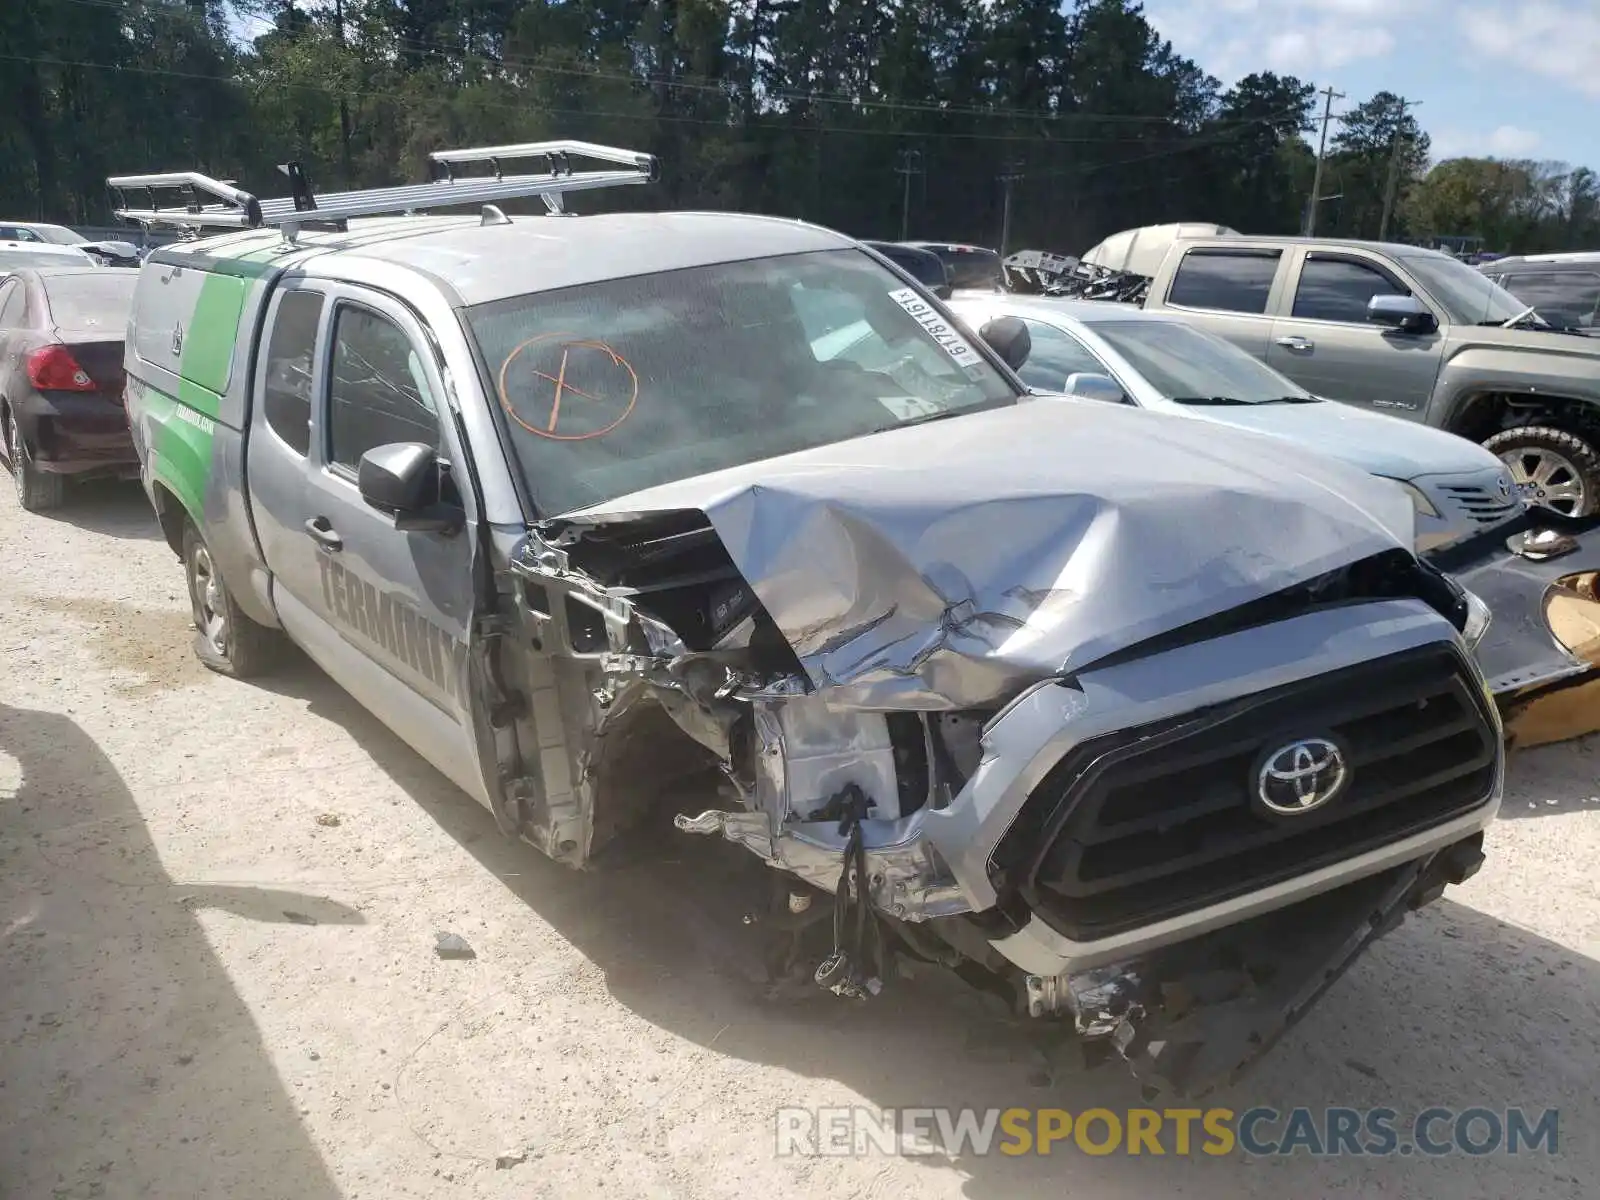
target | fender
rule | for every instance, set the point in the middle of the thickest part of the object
(1559, 374)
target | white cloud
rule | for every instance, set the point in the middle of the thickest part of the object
(1325, 46)
(1507, 141)
(1559, 40)
(1504, 141)
(1305, 37)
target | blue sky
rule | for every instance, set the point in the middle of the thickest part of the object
(1495, 77)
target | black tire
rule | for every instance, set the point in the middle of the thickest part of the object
(226, 640)
(1575, 479)
(37, 491)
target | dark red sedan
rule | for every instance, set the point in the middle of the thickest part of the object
(61, 414)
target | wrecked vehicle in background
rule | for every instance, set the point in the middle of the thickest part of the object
(728, 502)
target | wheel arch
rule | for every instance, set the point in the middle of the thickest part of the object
(170, 514)
(1480, 415)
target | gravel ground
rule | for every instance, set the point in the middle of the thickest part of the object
(218, 904)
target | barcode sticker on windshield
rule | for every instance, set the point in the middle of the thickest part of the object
(939, 329)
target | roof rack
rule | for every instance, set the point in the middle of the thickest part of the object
(213, 203)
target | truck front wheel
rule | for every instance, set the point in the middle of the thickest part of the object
(229, 642)
(1553, 468)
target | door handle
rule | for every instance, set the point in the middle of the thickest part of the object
(1296, 343)
(323, 533)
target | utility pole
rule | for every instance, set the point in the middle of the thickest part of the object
(1392, 183)
(1008, 177)
(344, 103)
(1322, 150)
(910, 164)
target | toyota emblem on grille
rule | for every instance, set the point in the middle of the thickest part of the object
(1504, 487)
(1301, 777)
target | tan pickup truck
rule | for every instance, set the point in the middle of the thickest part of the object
(1395, 328)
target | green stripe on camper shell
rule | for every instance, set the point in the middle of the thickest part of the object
(183, 429)
(181, 449)
(213, 334)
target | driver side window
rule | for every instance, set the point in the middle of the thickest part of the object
(1339, 289)
(1056, 355)
(377, 389)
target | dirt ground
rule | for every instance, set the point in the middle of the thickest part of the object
(218, 904)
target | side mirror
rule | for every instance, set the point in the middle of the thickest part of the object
(1405, 313)
(1009, 338)
(402, 479)
(1090, 385)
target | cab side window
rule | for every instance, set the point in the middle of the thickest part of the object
(1056, 355)
(1225, 280)
(286, 390)
(1338, 289)
(377, 392)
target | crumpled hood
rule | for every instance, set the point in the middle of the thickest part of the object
(1376, 442)
(950, 564)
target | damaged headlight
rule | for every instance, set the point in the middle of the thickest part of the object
(1477, 622)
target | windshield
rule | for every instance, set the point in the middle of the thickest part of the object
(1182, 363)
(1468, 295)
(971, 267)
(91, 300)
(613, 387)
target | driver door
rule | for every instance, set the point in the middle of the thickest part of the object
(1326, 344)
(388, 613)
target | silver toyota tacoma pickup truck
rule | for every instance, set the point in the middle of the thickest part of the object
(597, 512)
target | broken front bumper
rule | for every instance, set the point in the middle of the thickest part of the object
(1513, 569)
(1199, 1015)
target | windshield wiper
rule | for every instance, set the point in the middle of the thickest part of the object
(929, 418)
(1533, 321)
(1222, 400)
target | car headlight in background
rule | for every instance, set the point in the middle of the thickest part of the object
(1420, 502)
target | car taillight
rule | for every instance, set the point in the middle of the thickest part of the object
(53, 369)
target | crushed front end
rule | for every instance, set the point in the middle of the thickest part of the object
(1159, 780)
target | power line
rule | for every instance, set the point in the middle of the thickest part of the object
(535, 66)
(729, 124)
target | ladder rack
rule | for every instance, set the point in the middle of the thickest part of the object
(211, 203)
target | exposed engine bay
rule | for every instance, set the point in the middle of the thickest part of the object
(839, 683)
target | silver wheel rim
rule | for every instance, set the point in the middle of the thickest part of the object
(1548, 479)
(209, 605)
(14, 453)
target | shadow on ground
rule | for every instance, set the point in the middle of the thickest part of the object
(117, 508)
(128, 1064)
(1455, 1009)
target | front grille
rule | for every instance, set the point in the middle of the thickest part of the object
(1149, 823)
(1480, 504)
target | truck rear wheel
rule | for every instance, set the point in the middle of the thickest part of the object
(228, 642)
(1553, 468)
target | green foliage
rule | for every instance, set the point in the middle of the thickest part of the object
(795, 107)
(1533, 207)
